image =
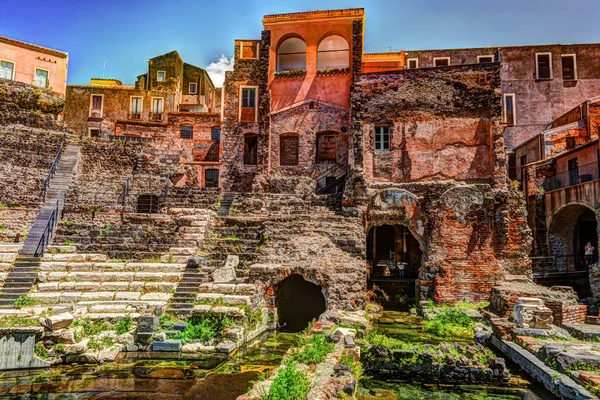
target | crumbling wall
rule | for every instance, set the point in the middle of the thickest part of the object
(23, 104)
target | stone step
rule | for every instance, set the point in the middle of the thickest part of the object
(74, 257)
(230, 299)
(166, 258)
(8, 257)
(10, 247)
(183, 251)
(94, 296)
(109, 276)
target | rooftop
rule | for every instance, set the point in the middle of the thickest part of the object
(313, 15)
(34, 47)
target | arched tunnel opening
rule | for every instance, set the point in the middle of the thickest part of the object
(298, 303)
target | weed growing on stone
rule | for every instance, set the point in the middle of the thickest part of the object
(2, 227)
(60, 347)
(2, 205)
(316, 349)
(355, 365)
(450, 322)
(203, 328)
(68, 243)
(90, 328)
(40, 350)
(24, 301)
(465, 305)
(379, 339)
(289, 384)
(124, 325)
(13, 321)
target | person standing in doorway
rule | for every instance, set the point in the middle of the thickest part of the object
(589, 253)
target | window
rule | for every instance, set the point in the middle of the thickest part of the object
(291, 55)
(333, 52)
(7, 70)
(215, 133)
(508, 104)
(248, 109)
(211, 178)
(569, 67)
(512, 166)
(193, 87)
(157, 109)
(96, 102)
(570, 142)
(441, 61)
(147, 204)
(251, 150)
(573, 171)
(382, 138)
(249, 49)
(543, 65)
(95, 133)
(136, 107)
(412, 63)
(288, 149)
(524, 160)
(41, 78)
(485, 59)
(160, 76)
(326, 149)
(186, 132)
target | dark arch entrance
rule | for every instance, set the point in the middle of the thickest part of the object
(394, 258)
(298, 303)
(572, 227)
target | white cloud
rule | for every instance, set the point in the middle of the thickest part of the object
(216, 69)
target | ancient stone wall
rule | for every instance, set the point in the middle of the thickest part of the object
(25, 160)
(23, 104)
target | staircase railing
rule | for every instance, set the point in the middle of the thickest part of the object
(330, 170)
(52, 171)
(49, 229)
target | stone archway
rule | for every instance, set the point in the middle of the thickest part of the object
(395, 227)
(571, 227)
(298, 303)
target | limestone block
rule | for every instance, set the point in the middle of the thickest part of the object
(57, 321)
(66, 285)
(233, 300)
(182, 251)
(156, 296)
(201, 309)
(226, 273)
(530, 312)
(114, 286)
(56, 276)
(160, 286)
(53, 266)
(80, 266)
(229, 311)
(197, 348)
(136, 286)
(77, 348)
(87, 285)
(70, 297)
(97, 296)
(8, 257)
(85, 276)
(46, 297)
(118, 276)
(127, 295)
(48, 287)
(245, 289)
(223, 288)
(147, 324)
(226, 347)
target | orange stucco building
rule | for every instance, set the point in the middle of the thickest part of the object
(35, 65)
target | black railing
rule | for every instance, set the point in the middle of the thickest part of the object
(52, 171)
(560, 265)
(49, 229)
(574, 176)
(326, 174)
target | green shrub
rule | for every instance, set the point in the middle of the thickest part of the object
(465, 305)
(40, 350)
(124, 325)
(92, 328)
(289, 384)
(354, 364)
(203, 328)
(450, 321)
(316, 349)
(59, 347)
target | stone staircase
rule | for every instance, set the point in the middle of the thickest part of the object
(22, 275)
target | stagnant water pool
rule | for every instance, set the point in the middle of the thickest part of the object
(149, 376)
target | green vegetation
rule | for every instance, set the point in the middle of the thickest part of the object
(583, 366)
(3, 205)
(124, 325)
(203, 328)
(92, 328)
(316, 349)
(24, 301)
(289, 384)
(2, 227)
(465, 305)
(450, 322)
(68, 243)
(59, 347)
(40, 350)
(354, 364)
(13, 321)
(379, 339)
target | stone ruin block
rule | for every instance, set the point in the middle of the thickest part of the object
(530, 312)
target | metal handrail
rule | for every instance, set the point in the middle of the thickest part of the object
(52, 171)
(49, 229)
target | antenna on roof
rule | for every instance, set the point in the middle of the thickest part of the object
(390, 49)
(104, 67)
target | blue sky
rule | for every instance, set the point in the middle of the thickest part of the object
(128, 32)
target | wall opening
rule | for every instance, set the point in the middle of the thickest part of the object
(571, 229)
(394, 259)
(147, 204)
(298, 303)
